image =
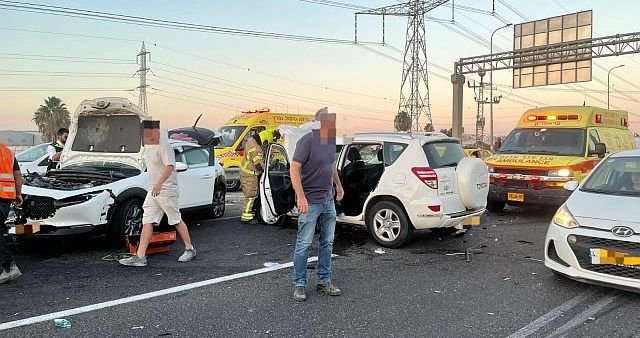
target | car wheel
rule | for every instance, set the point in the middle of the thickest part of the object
(495, 206)
(233, 185)
(388, 224)
(219, 201)
(126, 220)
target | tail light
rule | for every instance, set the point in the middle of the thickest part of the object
(427, 175)
(598, 118)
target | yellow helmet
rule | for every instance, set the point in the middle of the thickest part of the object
(266, 136)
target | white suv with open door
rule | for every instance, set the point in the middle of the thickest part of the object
(393, 183)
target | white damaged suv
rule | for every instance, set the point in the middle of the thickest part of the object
(393, 183)
(101, 181)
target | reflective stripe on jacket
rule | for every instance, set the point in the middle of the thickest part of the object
(7, 181)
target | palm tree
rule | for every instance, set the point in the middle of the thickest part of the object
(51, 116)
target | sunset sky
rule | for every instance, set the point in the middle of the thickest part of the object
(219, 74)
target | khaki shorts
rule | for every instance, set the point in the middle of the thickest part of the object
(156, 207)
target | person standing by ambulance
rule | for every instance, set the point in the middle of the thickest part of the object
(10, 192)
(251, 167)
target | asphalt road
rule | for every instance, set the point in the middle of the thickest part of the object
(427, 288)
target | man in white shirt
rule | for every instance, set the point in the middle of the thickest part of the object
(162, 197)
(54, 150)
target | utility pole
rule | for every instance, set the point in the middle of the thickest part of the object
(481, 101)
(141, 59)
(414, 84)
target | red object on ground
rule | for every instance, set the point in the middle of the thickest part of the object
(160, 242)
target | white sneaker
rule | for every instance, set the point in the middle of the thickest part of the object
(188, 255)
(13, 273)
(134, 261)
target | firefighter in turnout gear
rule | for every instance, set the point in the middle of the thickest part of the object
(251, 167)
(54, 150)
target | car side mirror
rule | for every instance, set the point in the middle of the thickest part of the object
(571, 185)
(181, 166)
(600, 150)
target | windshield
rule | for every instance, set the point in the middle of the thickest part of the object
(108, 134)
(32, 154)
(615, 176)
(556, 141)
(230, 135)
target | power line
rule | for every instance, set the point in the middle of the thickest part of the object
(262, 89)
(249, 69)
(159, 23)
(336, 4)
(513, 9)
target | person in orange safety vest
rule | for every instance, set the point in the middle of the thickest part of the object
(10, 192)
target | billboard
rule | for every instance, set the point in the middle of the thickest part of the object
(557, 68)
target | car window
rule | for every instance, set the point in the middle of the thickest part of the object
(368, 153)
(617, 176)
(593, 139)
(392, 151)
(278, 160)
(32, 153)
(229, 135)
(196, 157)
(443, 153)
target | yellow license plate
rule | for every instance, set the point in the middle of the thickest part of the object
(26, 229)
(473, 220)
(515, 196)
(604, 256)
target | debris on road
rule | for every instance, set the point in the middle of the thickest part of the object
(522, 241)
(380, 251)
(137, 328)
(506, 278)
(62, 323)
(534, 259)
(270, 264)
(534, 273)
(455, 254)
(491, 313)
(436, 291)
(251, 254)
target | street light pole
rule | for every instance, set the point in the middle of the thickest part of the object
(491, 84)
(608, 77)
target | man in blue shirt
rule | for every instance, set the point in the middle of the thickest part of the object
(313, 175)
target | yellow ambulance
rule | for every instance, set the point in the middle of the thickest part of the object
(244, 125)
(550, 146)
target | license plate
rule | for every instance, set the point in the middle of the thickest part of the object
(515, 196)
(25, 229)
(605, 256)
(473, 220)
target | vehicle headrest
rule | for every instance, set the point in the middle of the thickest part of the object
(380, 157)
(353, 155)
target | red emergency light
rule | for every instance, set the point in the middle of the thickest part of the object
(598, 118)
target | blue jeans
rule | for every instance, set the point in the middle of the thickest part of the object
(324, 216)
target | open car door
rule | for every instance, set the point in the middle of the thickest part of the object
(277, 196)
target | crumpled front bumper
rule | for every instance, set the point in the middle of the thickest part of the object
(62, 218)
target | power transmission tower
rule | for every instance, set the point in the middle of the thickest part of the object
(414, 87)
(478, 89)
(141, 59)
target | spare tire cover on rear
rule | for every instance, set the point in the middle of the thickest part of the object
(473, 182)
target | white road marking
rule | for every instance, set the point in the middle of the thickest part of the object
(549, 317)
(131, 299)
(584, 316)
